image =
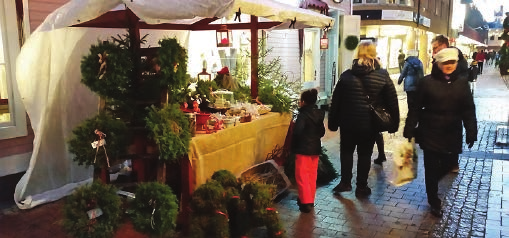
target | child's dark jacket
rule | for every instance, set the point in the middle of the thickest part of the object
(308, 130)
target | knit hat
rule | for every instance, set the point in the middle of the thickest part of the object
(446, 55)
(224, 70)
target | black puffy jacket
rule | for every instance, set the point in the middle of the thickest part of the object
(442, 107)
(350, 109)
(308, 130)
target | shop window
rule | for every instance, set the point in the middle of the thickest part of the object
(371, 1)
(357, 1)
(492, 37)
(12, 114)
(311, 57)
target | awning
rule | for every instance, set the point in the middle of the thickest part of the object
(315, 4)
(467, 41)
(177, 11)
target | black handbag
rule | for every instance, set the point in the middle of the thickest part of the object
(381, 118)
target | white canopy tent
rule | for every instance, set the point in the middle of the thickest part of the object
(48, 76)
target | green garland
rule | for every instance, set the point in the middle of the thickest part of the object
(351, 42)
(108, 69)
(172, 58)
(97, 195)
(84, 134)
(155, 209)
(504, 58)
(169, 127)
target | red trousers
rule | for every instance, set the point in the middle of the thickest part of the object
(306, 168)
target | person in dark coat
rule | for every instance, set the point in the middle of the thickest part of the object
(412, 73)
(350, 113)
(443, 105)
(441, 42)
(306, 146)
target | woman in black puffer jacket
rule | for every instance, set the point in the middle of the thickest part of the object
(350, 112)
(443, 105)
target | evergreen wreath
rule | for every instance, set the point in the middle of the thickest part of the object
(155, 209)
(351, 42)
(108, 69)
(83, 201)
(172, 58)
(169, 128)
(225, 207)
(83, 135)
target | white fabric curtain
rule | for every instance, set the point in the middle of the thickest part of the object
(49, 79)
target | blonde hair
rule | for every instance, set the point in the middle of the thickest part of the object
(366, 54)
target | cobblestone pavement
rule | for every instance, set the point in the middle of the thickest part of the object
(475, 204)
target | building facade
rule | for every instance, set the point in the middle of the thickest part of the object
(403, 25)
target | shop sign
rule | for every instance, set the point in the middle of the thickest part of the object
(423, 21)
(397, 15)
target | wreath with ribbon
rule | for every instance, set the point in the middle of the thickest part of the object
(351, 42)
(108, 70)
(97, 140)
(92, 211)
(155, 209)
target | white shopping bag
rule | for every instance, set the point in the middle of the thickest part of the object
(404, 168)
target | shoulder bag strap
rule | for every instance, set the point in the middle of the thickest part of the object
(364, 91)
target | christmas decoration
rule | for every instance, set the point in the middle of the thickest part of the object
(227, 207)
(93, 131)
(504, 58)
(172, 58)
(274, 87)
(351, 42)
(92, 211)
(169, 128)
(155, 209)
(107, 70)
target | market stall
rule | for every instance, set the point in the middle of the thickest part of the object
(48, 76)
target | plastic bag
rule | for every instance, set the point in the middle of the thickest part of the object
(404, 168)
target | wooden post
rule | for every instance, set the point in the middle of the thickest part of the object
(254, 57)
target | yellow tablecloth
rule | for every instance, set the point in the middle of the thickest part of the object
(237, 148)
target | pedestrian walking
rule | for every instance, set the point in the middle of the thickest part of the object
(472, 75)
(441, 42)
(443, 105)
(412, 73)
(306, 145)
(480, 58)
(350, 112)
(401, 60)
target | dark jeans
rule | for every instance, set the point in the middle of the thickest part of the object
(436, 165)
(364, 143)
(481, 66)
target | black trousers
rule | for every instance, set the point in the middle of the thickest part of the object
(410, 98)
(364, 143)
(436, 166)
(481, 66)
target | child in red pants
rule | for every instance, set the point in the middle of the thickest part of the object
(306, 145)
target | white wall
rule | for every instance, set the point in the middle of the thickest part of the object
(285, 44)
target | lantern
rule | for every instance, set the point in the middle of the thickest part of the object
(204, 75)
(223, 37)
(324, 42)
